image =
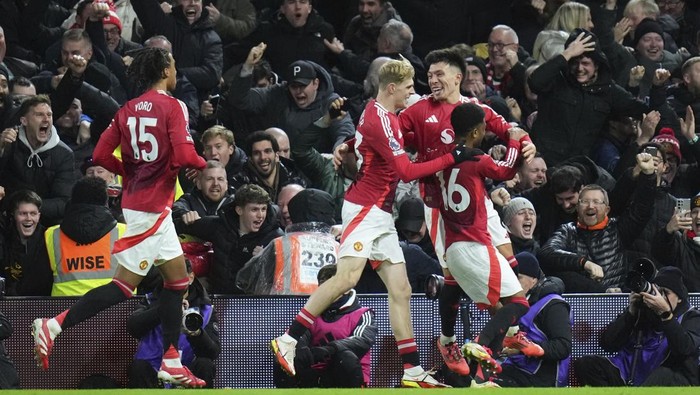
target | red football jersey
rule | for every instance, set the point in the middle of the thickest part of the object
(464, 195)
(428, 129)
(153, 133)
(382, 161)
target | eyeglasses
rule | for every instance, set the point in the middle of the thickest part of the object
(112, 32)
(499, 46)
(595, 202)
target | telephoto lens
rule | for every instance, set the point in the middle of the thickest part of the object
(433, 286)
(192, 321)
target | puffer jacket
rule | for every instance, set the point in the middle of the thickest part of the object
(571, 245)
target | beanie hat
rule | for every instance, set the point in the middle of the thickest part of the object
(667, 136)
(5, 72)
(528, 264)
(478, 62)
(512, 208)
(113, 19)
(671, 277)
(647, 25)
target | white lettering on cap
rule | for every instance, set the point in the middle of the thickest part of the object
(296, 70)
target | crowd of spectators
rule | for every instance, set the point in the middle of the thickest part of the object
(595, 83)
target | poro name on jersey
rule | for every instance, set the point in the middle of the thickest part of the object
(143, 106)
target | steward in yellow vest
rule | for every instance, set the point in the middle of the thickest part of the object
(80, 248)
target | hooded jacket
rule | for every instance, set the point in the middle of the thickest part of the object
(279, 109)
(48, 171)
(571, 116)
(231, 250)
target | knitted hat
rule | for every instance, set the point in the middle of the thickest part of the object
(671, 277)
(528, 264)
(667, 138)
(647, 25)
(113, 19)
(512, 208)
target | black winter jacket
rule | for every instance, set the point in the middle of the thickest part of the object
(196, 47)
(571, 246)
(231, 250)
(571, 116)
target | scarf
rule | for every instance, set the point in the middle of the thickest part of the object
(600, 225)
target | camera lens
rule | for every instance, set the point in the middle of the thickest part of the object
(192, 321)
(433, 286)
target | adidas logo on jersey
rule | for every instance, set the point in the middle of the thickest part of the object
(431, 119)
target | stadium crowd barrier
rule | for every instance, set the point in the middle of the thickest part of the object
(101, 345)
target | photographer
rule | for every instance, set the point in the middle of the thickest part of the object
(656, 339)
(335, 351)
(199, 341)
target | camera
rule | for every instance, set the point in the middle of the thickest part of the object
(640, 276)
(192, 320)
(433, 286)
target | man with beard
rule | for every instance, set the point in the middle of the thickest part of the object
(32, 156)
(591, 254)
(266, 167)
(210, 194)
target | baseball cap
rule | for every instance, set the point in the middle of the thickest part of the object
(411, 215)
(301, 72)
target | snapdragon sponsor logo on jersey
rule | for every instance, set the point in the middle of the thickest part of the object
(447, 136)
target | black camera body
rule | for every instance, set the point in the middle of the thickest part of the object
(640, 276)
